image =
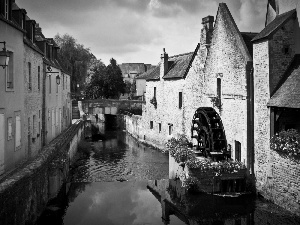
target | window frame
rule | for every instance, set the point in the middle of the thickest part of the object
(9, 73)
(180, 100)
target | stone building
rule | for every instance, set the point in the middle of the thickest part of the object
(24, 99)
(219, 68)
(276, 95)
(130, 71)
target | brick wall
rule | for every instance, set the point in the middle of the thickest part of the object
(33, 101)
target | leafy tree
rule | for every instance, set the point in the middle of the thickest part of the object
(106, 81)
(114, 84)
(127, 87)
(133, 89)
(74, 57)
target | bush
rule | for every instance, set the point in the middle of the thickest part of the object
(287, 142)
(181, 151)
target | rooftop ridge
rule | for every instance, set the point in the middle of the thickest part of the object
(173, 56)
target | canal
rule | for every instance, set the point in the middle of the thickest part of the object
(122, 181)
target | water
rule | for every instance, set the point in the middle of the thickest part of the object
(124, 182)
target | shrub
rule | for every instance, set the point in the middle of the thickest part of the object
(181, 151)
(287, 142)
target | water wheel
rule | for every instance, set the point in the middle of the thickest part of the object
(208, 133)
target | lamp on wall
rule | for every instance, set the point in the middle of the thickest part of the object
(4, 56)
(57, 79)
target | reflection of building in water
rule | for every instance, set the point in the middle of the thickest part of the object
(200, 208)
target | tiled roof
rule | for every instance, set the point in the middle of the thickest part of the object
(274, 25)
(154, 73)
(288, 94)
(147, 74)
(248, 36)
(178, 66)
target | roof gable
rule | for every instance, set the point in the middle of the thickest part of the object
(277, 23)
(231, 26)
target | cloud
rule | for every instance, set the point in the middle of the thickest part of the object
(137, 30)
(252, 13)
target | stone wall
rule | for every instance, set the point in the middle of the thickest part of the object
(282, 185)
(25, 193)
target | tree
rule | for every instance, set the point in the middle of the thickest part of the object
(114, 84)
(133, 89)
(75, 58)
(106, 81)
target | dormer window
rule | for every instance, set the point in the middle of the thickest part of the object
(32, 32)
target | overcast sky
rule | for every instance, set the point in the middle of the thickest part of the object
(138, 30)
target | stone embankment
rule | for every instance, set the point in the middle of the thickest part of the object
(25, 192)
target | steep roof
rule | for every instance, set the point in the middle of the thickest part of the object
(178, 66)
(288, 94)
(275, 25)
(232, 27)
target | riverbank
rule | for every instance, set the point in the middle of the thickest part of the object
(26, 191)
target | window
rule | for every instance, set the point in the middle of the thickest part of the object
(159, 127)
(9, 128)
(56, 87)
(151, 124)
(32, 32)
(49, 84)
(29, 77)
(34, 126)
(6, 7)
(9, 72)
(219, 88)
(18, 132)
(39, 77)
(154, 92)
(238, 151)
(63, 84)
(170, 129)
(180, 100)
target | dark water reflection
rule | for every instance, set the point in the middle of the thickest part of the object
(155, 202)
(96, 195)
(120, 157)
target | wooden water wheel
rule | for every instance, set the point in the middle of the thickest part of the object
(208, 134)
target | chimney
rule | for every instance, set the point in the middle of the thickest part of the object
(163, 63)
(206, 31)
(38, 29)
(205, 38)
